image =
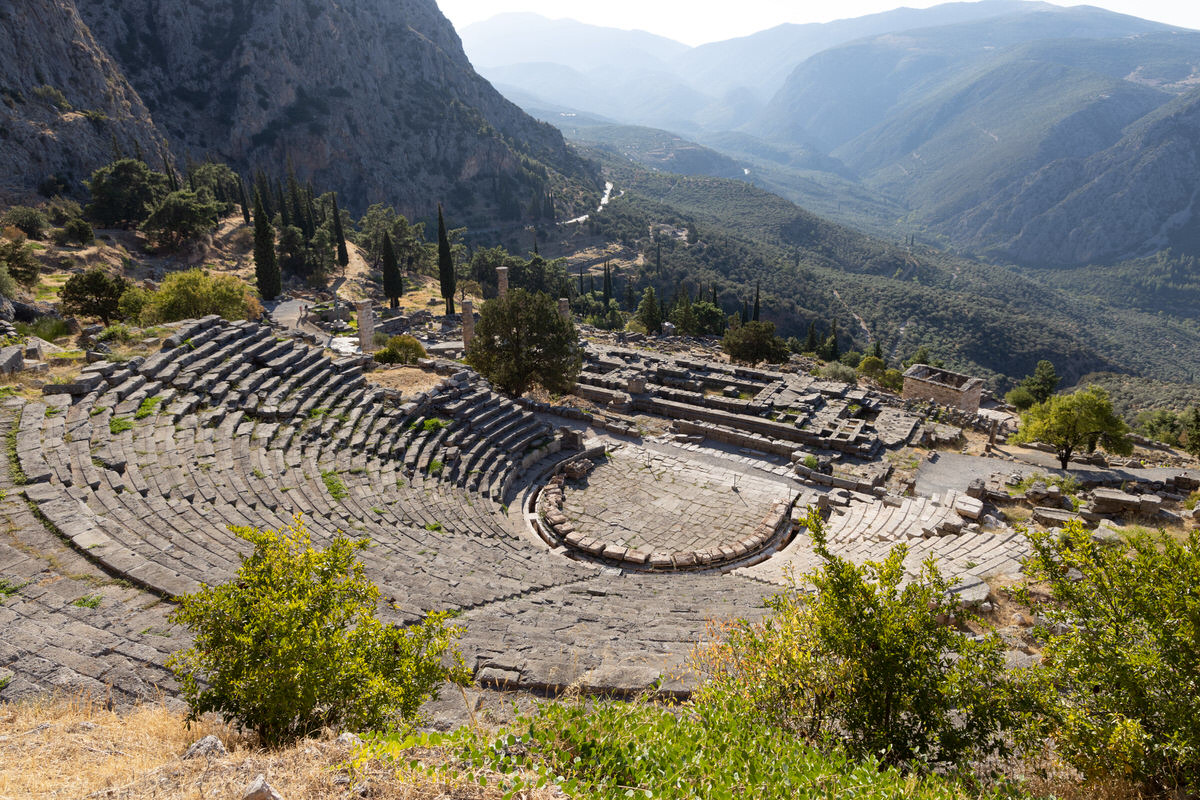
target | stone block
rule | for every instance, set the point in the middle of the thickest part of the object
(968, 507)
(12, 359)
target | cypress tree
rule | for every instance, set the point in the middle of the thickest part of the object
(592, 284)
(810, 344)
(581, 279)
(266, 264)
(445, 264)
(877, 349)
(756, 293)
(714, 299)
(745, 311)
(343, 255)
(831, 346)
(658, 258)
(393, 281)
(243, 202)
(608, 287)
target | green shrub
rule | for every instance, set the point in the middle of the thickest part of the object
(61, 210)
(616, 750)
(132, 303)
(119, 425)
(53, 96)
(48, 328)
(1020, 397)
(403, 349)
(1123, 651)
(117, 332)
(75, 231)
(94, 293)
(196, 293)
(17, 257)
(872, 367)
(292, 644)
(811, 462)
(148, 407)
(892, 380)
(835, 371)
(334, 485)
(870, 662)
(30, 221)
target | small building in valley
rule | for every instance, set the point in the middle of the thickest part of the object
(923, 382)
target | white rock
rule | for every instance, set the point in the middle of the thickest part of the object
(259, 789)
(208, 747)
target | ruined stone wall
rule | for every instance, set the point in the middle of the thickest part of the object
(967, 397)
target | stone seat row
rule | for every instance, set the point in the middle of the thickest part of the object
(148, 488)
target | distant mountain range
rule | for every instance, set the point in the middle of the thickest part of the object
(1028, 132)
(372, 98)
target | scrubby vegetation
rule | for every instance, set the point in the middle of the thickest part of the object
(292, 645)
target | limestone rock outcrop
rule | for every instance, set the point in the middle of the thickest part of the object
(373, 98)
(65, 106)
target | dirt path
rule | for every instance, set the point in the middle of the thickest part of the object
(861, 322)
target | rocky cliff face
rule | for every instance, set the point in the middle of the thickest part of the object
(65, 107)
(373, 98)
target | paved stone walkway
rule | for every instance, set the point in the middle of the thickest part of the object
(639, 498)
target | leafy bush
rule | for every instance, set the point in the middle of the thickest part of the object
(133, 303)
(754, 342)
(615, 750)
(1124, 654)
(95, 293)
(117, 332)
(403, 349)
(124, 193)
(839, 372)
(872, 367)
(1020, 397)
(61, 210)
(197, 293)
(48, 328)
(180, 218)
(16, 256)
(292, 644)
(75, 231)
(892, 380)
(869, 664)
(30, 221)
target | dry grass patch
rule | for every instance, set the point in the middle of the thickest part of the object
(73, 747)
(408, 380)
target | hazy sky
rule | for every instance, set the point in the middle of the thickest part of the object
(698, 21)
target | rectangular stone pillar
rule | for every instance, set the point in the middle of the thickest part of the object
(366, 326)
(502, 280)
(468, 322)
(564, 307)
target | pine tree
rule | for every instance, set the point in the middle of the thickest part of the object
(756, 294)
(393, 281)
(343, 254)
(243, 202)
(649, 312)
(810, 344)
(266, 264)
(445, 264)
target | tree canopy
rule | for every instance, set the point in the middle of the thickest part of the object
(181, 217)
(522, 340)
(1083, 419)
(94, 293)
(754, 342)
(124, 193)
